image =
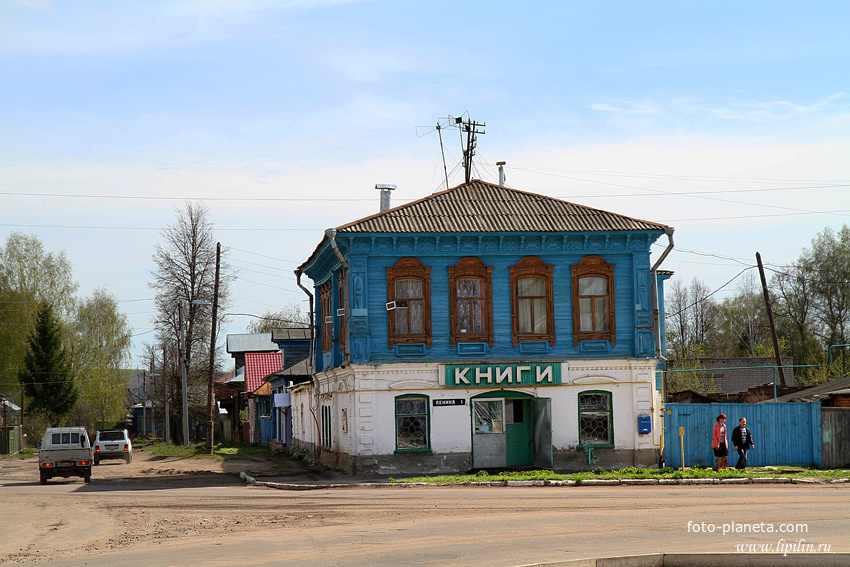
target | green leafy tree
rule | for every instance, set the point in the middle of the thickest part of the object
(29, 275)
(46, 376)
(100, 348)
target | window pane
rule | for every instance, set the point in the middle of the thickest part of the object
(600, 313)
(464, 317)
(539, 315)
(585, 306)
(412, 432)
(411, 406)
(56, 438)
(595, 428)
(593, 286)
(488, 416)
(524, 314)
(530, 287)
(408, 289)
(417, 317)
(594, 402)
(401, 327)
(477, 320)
(469, 287)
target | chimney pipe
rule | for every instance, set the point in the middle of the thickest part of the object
(501, 165)
(385, 195)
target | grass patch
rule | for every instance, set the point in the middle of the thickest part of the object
(26, 453)
(627, 473)
(199, 450)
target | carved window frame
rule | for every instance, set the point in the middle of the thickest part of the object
(341, 305)
(327, 325)
(471, 267)
(594, 266)
(532, 266)
(409, 268)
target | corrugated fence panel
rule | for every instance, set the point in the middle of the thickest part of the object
(784, 434)
(836, 438)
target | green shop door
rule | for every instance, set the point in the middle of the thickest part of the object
(519, 442)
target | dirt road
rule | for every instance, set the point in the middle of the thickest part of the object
(196, 512)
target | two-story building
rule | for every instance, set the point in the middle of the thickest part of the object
(483, 327)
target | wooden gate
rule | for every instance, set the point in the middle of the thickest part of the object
(836, 437)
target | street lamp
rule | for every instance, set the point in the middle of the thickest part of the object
(184, 363)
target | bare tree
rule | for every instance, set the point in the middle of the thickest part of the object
(185, 273)
(290, 317)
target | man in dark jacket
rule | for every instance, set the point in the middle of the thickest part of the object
(742, 441)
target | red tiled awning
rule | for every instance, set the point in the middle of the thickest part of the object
(258, 365)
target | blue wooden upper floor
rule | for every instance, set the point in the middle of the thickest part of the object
(408, 285)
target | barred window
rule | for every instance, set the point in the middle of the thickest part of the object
(412, 424)
(595, 417)
(327, 430)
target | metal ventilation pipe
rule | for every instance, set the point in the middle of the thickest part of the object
(385, 195)
(501, 165)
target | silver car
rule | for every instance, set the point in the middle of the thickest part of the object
(112, 444)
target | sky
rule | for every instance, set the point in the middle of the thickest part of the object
(729, 121)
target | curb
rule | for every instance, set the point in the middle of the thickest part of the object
(251, 481)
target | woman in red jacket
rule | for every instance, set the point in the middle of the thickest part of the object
(718, 442)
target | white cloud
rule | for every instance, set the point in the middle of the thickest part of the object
(772, 110)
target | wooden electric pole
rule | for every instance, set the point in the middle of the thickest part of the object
(770, 320)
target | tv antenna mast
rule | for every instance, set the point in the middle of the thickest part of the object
(463, 124)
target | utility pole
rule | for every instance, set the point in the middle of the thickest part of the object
(472, 131)
(181, 351)
(144, 405)
(210, 385)
(770, 320)
(165, 394)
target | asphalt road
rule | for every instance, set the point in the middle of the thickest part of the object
(209, 518)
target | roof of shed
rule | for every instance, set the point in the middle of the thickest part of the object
(258, 365)
(250, 342)
(821, 391)
(479, 206)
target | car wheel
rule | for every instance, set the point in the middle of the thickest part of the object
(44, 477)
(87, 478)
(128, 458)
(96, 462)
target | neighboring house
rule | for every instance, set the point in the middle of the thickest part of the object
(483, 327)
(734, 375)
(249, 352)
(295, 345)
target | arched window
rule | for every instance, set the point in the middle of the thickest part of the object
(470, 303)
(409, 302)
(593, 300)
(532, 304)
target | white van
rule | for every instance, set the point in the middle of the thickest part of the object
(65, 451)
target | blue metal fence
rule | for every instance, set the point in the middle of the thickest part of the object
(784, 434)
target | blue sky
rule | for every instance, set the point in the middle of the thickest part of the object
(727, 120)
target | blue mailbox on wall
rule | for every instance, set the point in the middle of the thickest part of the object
(644, 424)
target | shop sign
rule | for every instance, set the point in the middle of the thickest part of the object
(501, 375)
(449, 402)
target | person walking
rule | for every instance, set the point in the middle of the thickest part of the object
(742, 441)
(718, 442)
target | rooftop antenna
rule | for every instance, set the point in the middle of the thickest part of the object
(464, 125)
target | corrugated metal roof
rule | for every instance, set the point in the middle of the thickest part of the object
(258, 365)
(479, 206)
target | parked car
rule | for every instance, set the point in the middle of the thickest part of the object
(112, 444)
(65, 451)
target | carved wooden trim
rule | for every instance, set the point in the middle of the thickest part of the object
(531, 266)
(409, 268)
(471, 267)
(597, 267)
(327, 328)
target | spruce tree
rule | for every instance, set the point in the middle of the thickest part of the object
(46, 376)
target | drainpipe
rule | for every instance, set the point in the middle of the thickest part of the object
(330, 234)
(656, 328)
(656, 324)
(298, 273)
